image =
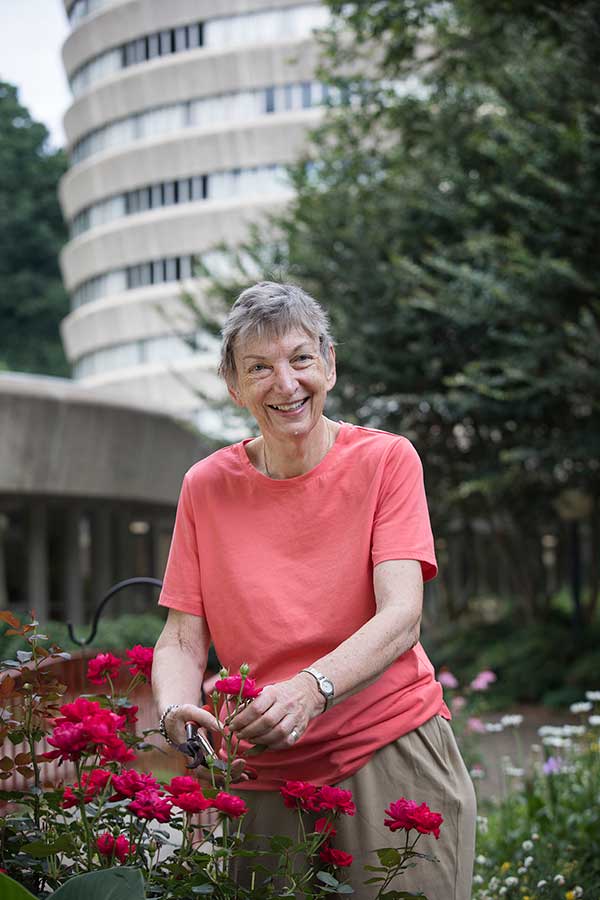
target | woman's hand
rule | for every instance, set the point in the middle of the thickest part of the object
(175, 728)
(280, 714)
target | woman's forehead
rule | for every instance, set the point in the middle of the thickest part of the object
(269, 344)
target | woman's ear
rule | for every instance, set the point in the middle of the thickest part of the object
(330, 369)
(235, 395)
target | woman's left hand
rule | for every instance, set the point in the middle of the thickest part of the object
(280, 715)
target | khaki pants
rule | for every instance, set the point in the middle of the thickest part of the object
(424, 765)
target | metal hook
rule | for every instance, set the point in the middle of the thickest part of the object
(110, 593)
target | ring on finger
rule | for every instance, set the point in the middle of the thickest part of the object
(294, 734)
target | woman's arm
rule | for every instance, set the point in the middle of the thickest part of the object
(352, 666)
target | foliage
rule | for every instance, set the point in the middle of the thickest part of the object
(32, 231)
(550, 664)
(446, 218)
(103, 835)
(542, 841)
(117, 633)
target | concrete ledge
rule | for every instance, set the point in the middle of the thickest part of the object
(58, 439)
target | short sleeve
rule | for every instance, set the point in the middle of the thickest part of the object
(181, 584)
(401, 527)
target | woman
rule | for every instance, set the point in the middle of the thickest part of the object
(303, 552)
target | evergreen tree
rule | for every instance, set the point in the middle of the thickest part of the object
(447, 218)
(32, 231)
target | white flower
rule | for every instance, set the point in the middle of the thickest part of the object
(573, 730)
(594, 721)
(555, 741)
(502, 891)
(494, 882)
(511, 721)
(578, 891)
(513, 771)
(511, 881)
(494, 726)
(521, 870)
(476, 772)
(527, 845)
(593, 695)
(477, 879)
(559, 879)
(528, 859)
(580, 707)
(482, 824)
(535, 836)
(542, 883)
(481, 860)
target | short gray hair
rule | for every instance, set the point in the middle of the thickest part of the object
(271, 309)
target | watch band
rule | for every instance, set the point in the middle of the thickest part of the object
(162, 724)
(325, 685)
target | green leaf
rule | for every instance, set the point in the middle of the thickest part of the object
(12, 890)
(108, 884)
(389, 857)
(203, 889)
(345, 889)
(328, 879)
(280, 842)
(40, 849)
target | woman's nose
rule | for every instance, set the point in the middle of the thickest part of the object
(285, 379)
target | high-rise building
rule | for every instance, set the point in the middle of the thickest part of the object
(183, 119)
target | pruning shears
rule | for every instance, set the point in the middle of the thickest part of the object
(200, 751)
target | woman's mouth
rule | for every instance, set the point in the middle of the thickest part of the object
(288, 407)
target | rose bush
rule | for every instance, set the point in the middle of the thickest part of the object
(120, 831)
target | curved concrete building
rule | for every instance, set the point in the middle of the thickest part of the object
(183, 119)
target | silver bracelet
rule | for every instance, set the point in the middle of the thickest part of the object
(162, 723)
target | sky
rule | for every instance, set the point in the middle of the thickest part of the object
(32, 33)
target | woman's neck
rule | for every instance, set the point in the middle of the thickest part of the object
(288, 459)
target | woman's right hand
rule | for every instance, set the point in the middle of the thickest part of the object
(175, 721)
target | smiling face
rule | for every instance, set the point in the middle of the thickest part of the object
(283, 382)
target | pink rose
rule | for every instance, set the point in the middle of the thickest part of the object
(183, 784)
(475, 725)
(194, 802)
(324, 826)
(482, 681)
(448, 680)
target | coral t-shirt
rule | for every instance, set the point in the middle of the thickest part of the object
(282, 570)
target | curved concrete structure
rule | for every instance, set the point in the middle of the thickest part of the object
(88, 488)
(180, 108)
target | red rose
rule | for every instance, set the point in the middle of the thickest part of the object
(300, 795)
(69, 799)
(336, 800)
(183, 784)
(117, 751)
(102, 666)
(123, 849)
(102, 727)
(79, 709)
(129, 714)
(70, 740)
(140, 659)
(229, 805)
(94, 783)
(335, 857)
(151, 804)
(233, 685)
(129, 783)
(324, 826)
(105, 843)
(194, 802)
(407, 814)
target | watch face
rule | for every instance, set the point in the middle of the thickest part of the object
(327, 687)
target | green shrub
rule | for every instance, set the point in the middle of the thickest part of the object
(113, 634)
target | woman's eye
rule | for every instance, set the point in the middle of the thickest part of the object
(258, 368)
(304, 357)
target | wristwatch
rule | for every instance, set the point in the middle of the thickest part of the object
(326, 687)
